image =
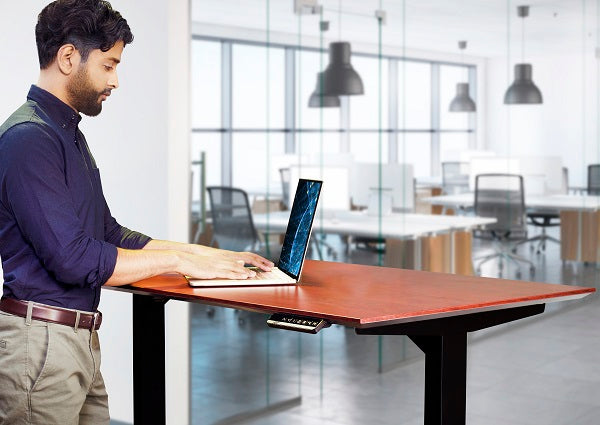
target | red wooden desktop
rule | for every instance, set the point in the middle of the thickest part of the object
(435, 310)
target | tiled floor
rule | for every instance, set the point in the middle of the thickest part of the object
(542, 370)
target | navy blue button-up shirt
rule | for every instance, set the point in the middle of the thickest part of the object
(58, 240)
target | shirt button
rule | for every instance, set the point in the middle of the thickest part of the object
(64, 126)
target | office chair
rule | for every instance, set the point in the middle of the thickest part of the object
(544, 220)
(455, 178)
(593, 180)
(501, 196)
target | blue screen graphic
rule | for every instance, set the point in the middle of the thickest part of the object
(298, 231)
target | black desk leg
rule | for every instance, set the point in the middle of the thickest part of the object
(148, 360)
(445, 377)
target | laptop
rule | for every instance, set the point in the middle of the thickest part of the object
(295, 243)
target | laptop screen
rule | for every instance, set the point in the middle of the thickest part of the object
(299, 227)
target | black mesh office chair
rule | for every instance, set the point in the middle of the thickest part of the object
(233, 227)
(593, 180)
(501, 196)
(543, 220)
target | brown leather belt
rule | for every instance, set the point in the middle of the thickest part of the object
(52, 314)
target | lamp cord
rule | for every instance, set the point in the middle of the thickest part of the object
(340, 20)
(523, 40)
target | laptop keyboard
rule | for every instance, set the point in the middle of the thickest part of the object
(270, 275)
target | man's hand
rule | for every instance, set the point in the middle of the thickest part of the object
(247, 258)
(190, 260)
(217, 265)
(197, 261)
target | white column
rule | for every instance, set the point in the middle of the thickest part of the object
(177, 314)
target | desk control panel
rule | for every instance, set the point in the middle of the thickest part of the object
(292, 322)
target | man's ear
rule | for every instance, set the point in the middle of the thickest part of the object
(67, 58)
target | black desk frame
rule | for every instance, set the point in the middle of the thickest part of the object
(443, 340)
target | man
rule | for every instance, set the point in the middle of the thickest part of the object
(58, 241)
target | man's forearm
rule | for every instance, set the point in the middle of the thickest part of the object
(156, 244)
(134, 265)
(198, 261)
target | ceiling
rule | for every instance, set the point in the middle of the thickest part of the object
(554, 26)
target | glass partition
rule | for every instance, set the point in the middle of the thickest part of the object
(206, 84)
(249, 87)
(414, 109)
(253, 126)
(255, 66)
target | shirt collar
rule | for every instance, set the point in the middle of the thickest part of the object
(58, 111)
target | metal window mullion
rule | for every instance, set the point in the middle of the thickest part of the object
(473, 116)
(226, 115)
(290, 100)
(435, 119)
(393, 101)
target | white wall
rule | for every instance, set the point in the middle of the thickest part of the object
(140, 142)
(555, 128)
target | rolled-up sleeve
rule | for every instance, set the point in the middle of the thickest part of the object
(33, 187)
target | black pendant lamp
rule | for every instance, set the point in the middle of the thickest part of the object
(319, 100)
(462, 102)
(523, 90)
(340, 78)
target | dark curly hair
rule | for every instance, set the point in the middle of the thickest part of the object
(87, 24)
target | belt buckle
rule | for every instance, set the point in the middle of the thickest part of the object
(95, 318)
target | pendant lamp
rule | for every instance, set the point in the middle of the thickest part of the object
(319, 100)
(523, 90)
(462, 102)
(340, 78)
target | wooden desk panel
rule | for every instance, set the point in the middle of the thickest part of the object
(580, 236)
(363, 296)
(463, 249)
(436, 253)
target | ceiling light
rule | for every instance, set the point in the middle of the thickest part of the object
(340, 78)
(462, 102)
(523, 90)
(319, 100)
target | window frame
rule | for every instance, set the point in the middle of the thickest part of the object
(291, 129)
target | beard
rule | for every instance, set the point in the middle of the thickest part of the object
(82, 95)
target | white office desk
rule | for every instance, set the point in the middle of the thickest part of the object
(579, 218)
(547, 203)
(359, 223)
(428, 181)
(396, 226)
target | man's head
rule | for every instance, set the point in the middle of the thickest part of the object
(79, 45)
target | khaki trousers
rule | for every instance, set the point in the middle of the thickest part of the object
(50, 374)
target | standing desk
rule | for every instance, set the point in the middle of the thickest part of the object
(428, 233)
(435, 310)
(579, 220)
